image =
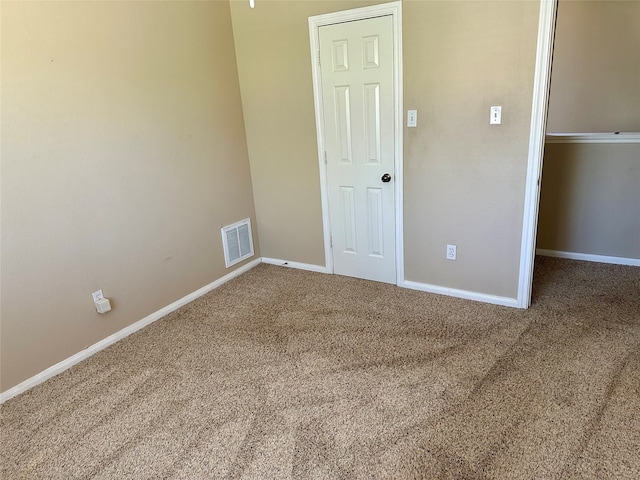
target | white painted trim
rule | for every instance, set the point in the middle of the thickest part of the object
(317, 102)
(351, 15)
(119, 335)
(622, 137)
(542, 78)
(395, 10)
(588, 257)
(398, 73)
(464, 294)
(300, 266)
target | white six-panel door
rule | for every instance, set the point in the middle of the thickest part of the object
(356, 61)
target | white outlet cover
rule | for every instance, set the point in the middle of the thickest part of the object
(97, 296)
(451, 252)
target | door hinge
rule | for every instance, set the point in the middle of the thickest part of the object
(319, 57)
(331, 241)
(325, 158)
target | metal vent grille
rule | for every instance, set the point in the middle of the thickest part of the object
(237, 242)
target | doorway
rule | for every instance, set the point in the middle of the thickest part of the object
(546, 35)
(357, 90)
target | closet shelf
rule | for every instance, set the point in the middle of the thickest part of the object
(609, 137)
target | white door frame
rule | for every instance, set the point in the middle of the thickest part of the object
(540, 103)
(395, 10)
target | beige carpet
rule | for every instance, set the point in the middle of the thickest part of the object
(289, 374)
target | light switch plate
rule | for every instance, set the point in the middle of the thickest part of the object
(496, 115)
(412, 118)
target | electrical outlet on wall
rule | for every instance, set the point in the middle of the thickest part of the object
(103, 305)
(97, 296)
(451, 252)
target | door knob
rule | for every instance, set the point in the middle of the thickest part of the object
(386, 178)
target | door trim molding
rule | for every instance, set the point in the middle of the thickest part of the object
(394, 9)
(541, 85)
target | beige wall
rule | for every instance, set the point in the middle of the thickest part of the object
(590, 200)
(274, 66)
(595, 82)
(464, 180)
(123, 152)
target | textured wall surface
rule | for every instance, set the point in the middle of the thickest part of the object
(590, 199)
(123, 152)
(595, 82)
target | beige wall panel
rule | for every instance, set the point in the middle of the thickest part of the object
(595, 82)
(464, 178)
(274, 66)
(123, 152)
(590, 199)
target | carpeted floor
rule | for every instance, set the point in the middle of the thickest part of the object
(290, 374)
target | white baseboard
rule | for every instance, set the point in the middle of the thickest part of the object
(635, 262)
(301, 266)
(423, 287)
(465, 294)
(120, 334)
